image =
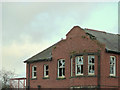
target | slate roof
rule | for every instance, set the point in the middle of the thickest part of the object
(45, 55)
(110, 40)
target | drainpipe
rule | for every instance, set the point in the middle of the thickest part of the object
(28, 76)
(99, 74)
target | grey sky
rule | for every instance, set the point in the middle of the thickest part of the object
(29, 28)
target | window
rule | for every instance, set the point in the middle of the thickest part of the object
(46, 72)
(61, 68)
(112, 65)
(34, 72)
(79, 65)
(71, 65)
(91, 65)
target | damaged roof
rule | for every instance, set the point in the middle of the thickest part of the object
(110, 40)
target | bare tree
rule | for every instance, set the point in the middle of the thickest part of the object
(5, 77)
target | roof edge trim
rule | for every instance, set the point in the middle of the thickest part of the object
(112, 51)
(39, 60)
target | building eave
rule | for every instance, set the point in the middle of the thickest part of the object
(39, 60)
(112, 51)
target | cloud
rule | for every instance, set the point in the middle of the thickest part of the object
(38, 19)
(106, 18)
(29, 28)
(13, 55)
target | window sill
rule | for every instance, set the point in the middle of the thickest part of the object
(45, 78)
(113, 77)
(71, 77)
(33, 78)
(80, 76)
(60, 78)
(91, 75)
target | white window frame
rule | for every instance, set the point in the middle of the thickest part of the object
(34, 71)
(91, 64)
(114, 67)
(61, 67)
(45, 70)
(76, 58)
(71, 66)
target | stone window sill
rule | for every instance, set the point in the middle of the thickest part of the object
(45, 78)
(33, 78)
(113, 77)
(59, 78)
(80, 76)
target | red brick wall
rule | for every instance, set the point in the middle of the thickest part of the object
(119, 70)
(106, 80)
(76, 42)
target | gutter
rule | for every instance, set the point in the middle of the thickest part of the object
(38, 60)
(28, 84)
(99, 71)
(112, 51)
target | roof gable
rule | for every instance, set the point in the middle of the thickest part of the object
(110, 40)
(74, 31)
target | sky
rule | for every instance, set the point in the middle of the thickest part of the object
(30, 27)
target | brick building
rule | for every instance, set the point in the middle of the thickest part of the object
(85, 59)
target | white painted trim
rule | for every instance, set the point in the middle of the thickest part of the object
(34, 71)
(46, 70)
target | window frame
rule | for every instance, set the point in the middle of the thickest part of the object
(91, 65)
(34, 71)
(79, 65)
(63, 76)
(46, 70)
(114, 72)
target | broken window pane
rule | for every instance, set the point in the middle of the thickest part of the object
(92, 60)
(34, 73)
(112, 65)
(78, 69)
(91, 67)
(61, 68)
(46, 67)
(79, 65)
(34, 68)
(46, 73)
(81, 68)
(64, 71)
(60, 63)
(60, 72)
